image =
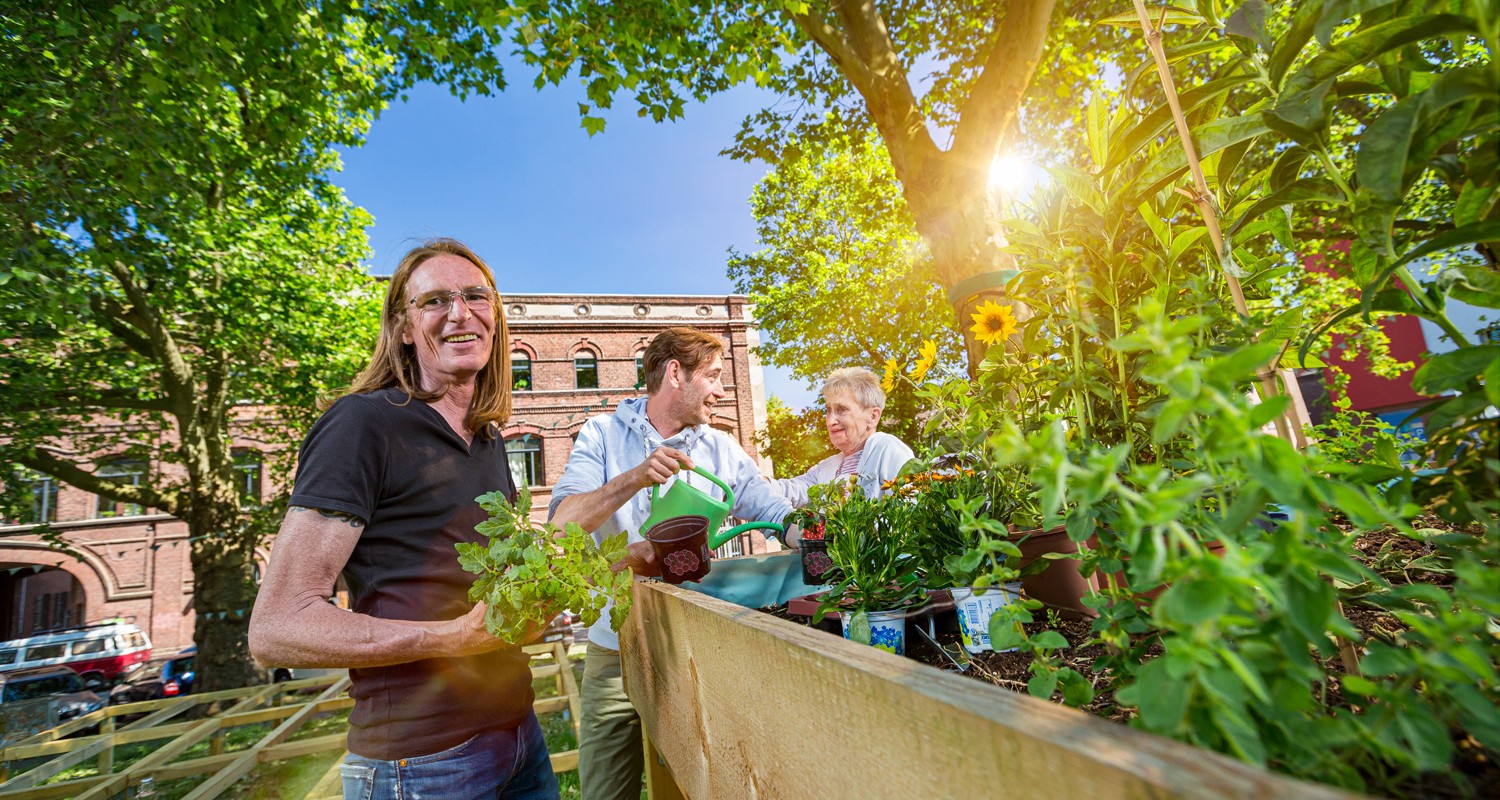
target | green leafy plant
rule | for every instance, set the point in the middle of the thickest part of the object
(528, 572)
(870, 545)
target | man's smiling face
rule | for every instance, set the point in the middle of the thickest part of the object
(452, 345)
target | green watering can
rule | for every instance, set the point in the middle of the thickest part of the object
(684, 500)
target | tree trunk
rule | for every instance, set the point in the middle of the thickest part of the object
(223, 593)
(957, 216)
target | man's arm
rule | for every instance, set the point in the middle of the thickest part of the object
(294, 625)
(591, 509)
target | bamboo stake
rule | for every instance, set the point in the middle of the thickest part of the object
(1291, 431)
(1288, 430)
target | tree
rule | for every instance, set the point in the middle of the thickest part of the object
(853, 60)
(843, 280)
(793, 440)
(173, 250)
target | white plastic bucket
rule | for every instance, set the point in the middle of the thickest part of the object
(887, 630)
(975, 610)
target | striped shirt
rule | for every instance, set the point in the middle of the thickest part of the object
(850, 464)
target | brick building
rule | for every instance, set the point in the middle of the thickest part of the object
(574, 356)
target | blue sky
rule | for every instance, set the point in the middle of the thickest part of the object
(643, 208)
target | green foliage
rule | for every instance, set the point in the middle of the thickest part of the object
(174, 248)
(529, 572)
(795, 441)
(843, 279)
(870, 545)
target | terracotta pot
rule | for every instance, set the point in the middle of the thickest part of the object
(1060, 586)
(1102, 578)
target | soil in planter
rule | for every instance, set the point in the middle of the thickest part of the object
(1474, 773)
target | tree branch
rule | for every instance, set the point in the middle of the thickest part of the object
(43, 461)
(996, 99)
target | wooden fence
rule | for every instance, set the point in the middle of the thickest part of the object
(737, 703)
(292, 704)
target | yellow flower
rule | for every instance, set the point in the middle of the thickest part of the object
(993, 322)
(928, 358)
(892, 368)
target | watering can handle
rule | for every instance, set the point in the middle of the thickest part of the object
(728, 493)
(717, 540)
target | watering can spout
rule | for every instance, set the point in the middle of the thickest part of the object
(718, 539)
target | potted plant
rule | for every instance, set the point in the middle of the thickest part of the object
(870, 545)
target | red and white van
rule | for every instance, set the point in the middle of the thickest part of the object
(105, 651)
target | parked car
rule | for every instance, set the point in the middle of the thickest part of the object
(73, 697)
(561, 627)
(105, 651)
(168, 677)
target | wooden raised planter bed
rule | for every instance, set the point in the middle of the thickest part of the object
(738, 703)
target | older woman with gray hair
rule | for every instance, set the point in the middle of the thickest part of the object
(854, 401)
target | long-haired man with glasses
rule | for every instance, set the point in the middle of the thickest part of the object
(385, 487)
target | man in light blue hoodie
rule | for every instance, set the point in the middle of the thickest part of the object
(606, 489)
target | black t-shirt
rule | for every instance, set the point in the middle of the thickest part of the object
(398, 466)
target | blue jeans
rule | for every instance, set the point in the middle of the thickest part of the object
(509, 764)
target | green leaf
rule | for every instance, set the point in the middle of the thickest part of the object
(593, 124)
(1364, 46)
(1161, 121)
(1175, 15)
(1249, 21)
(1049, 640)
(1303, 190)
(1486, 231)
(1208, 138)
(1392, 150)
(1042, 685)
(1455, 369)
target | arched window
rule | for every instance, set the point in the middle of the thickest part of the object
(520, 371)
(121, 470)
(525, 455)
(640, 370)
(247, 470)
(586, 370)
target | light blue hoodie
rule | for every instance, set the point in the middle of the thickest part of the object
(612, 444)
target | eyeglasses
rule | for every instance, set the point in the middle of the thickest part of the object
(477, 298)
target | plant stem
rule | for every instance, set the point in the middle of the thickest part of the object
(1206, 205)
(1124, 387)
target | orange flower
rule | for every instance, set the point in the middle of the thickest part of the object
(993, 322)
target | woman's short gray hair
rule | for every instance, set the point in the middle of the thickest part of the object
(859, 382)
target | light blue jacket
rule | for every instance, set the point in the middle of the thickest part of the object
(611, 444)
(882, 459)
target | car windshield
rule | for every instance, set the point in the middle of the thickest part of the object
(42, 686)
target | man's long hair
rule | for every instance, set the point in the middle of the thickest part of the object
(394, 362)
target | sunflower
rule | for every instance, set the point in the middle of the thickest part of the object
(924, 363)
(892, 369)
(993, 322)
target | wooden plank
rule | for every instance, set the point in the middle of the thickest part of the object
(46, 770)
(242, 766)
(330, 785)
(660, 785)
(219, 781)
(54, 791)
(566, 761)
(689, 659)
(548, 705)
(151, 762)
(570, 688)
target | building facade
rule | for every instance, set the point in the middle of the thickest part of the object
(573, 356)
